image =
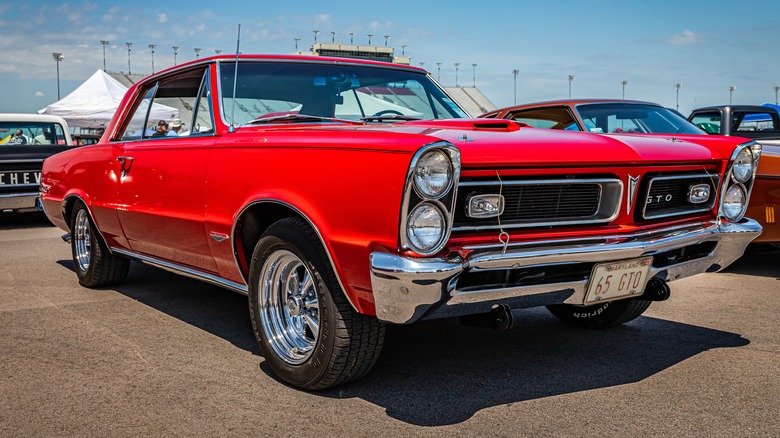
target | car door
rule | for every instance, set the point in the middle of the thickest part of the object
(162, 188)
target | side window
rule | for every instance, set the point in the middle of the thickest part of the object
(709, 122)
(172, 107)
(135, 128)
(203, 117)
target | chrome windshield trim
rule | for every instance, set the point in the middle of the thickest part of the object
(185, 271)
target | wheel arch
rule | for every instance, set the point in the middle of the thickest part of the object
(252, 221)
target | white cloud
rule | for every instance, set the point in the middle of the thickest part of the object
(162, 18)
(39, 94)
(684, 38)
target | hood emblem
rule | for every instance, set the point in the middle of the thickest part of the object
(633, 184)
(466, 138)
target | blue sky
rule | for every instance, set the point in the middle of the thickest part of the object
(705, 46)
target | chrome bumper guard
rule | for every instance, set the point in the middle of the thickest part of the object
(411, 289)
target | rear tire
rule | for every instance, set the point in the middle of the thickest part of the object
(309, 334)
(609, 314)
(95, 266)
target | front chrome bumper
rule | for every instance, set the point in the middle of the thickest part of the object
(410, 289)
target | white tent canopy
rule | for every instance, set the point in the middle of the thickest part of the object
(93, 103)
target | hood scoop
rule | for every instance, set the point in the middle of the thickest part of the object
(495, 125)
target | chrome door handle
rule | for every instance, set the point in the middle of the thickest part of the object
(126, 163)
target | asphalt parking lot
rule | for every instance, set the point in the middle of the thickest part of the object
(166, 355)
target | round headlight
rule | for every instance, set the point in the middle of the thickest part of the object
(743, 165)
(734, 202)
(433, 174)
(425, 228)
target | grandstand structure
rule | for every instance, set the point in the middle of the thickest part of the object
(470, 98)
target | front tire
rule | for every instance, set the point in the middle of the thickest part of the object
(310, 335)
(605, 315)
(95, 266)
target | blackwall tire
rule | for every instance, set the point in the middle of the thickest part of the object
(309, 334)
(95, 266)
(605, 315)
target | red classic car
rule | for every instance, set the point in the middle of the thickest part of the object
(341, 195)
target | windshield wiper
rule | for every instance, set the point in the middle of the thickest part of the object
(390, 117)
(298, 118)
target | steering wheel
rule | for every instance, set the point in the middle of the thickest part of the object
(386, 112)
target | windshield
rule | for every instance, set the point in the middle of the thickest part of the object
(31, 133)
(633, 117)
(282, 91)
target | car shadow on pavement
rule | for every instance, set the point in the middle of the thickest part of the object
(13, 221)
(440, 373)
(762, 260)
(216, 310)
(436, 373)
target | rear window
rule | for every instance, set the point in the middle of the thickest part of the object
(31, 134)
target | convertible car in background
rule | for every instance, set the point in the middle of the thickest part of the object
(600, 116)
(341, 195)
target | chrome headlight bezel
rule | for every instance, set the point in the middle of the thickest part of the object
(417, 220)
(728, 205)
(442, 197)
(740, 175)
(433, 174)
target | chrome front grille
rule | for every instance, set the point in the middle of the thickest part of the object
(667, 195)
(534, 203)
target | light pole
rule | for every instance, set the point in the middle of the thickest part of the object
(457, 64)
(315, 35)
(333, 37)
(624, 83)
(777, 88)
(731, 92)
(152, 46)
(571, 78)
(218, 51)
(129, 45)
(175, 53)
(387, 37)
(351, 37)
(474, 75)
(197, 52)
(403, 49)
(58, 57)
(369, 38)
(515, 72)
(677, 87)
(296, 43)
(438, 72)
(104, 43)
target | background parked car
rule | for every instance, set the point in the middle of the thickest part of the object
(599, 116)
(761, 123)
(25, 141)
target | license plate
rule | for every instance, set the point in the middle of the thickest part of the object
(17, 178)
(618, 279)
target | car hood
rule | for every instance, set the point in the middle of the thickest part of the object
(500, 143)
(495, 143)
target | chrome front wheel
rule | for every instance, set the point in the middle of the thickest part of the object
(289, 307)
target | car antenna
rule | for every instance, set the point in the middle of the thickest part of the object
(232, 127)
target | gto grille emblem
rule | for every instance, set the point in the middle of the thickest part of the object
(632, 186)
(658, 198)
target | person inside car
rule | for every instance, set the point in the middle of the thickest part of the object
(19, 138)
(162, 129)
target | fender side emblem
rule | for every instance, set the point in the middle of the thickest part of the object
(219, 237)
